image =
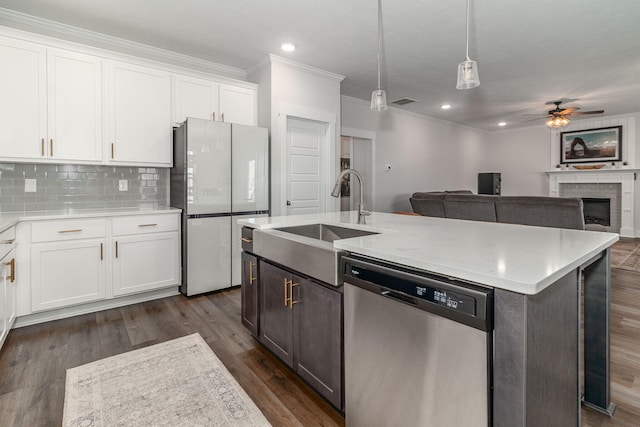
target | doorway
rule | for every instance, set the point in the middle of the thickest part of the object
(356, 153)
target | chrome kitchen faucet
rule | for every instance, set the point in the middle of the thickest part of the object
(362, 212)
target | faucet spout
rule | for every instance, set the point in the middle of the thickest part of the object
(362, 212)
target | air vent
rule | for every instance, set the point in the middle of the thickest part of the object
(403, 101)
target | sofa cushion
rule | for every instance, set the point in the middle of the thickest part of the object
(470, 207)
(430, 204)
(557, 212)
(425, 194)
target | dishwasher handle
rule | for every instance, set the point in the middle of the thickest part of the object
(399, 297)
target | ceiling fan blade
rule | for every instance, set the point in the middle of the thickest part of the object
(533, 120)
(568, 111)
(588, 112)
(535, 115)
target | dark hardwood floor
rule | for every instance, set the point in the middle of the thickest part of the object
(34, 359)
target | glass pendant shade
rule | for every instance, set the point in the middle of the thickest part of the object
(468, 75)
(558, 122)
(378, 100)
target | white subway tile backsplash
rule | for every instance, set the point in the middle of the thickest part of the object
(80, 187)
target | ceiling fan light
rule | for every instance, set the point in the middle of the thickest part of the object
(468, 75)
(379, 100)
(558, 122)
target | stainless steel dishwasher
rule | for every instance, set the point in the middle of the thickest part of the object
(418, 347)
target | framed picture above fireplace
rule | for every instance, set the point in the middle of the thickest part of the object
(591, 145)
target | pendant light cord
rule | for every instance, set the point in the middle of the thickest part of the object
(380, 39)
(468, 59)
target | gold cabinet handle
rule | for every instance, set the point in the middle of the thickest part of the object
(42, 146)
(12, 264)
(147, 225)
(70, 231)
(116, 249)
(8, 242)
(286, 287)
(291, 301)
(112, 149)
(101, 252)
(214, 116)
(51, 147)
(252, 278)
(222, 116)
(244, 239)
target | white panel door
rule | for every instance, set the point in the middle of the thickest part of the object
(238, 105)
(362, 161)
(195, 98)
(67, 273)
(145, 262)
(139, 129)
(306, 140)
(236, 247)
(23, 104)
(250, 168)
(208, 167)
(75, 106)
(208, 254)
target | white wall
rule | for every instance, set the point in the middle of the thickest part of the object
(425, 154)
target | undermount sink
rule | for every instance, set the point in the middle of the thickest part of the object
(327, 233)
(307, 249)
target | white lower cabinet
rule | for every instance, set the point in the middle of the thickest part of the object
(7, 294)
(67, 273)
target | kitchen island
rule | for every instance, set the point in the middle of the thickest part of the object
(536, 274)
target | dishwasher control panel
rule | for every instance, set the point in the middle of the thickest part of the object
(432, 293)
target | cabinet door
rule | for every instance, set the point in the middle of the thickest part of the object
(250, 292)
(10, 288)
(195, 98)
(145, 262)
(238, 104)
(139, 115)
(4, 324)
(67, 273)
(276, 318)
(23, 105)
(75, 106)
(318, 338)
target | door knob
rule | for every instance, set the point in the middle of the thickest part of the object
(288, 202)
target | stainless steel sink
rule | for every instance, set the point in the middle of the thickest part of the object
(327, 233)
(307, 249)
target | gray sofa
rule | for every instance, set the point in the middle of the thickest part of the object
(557, 212)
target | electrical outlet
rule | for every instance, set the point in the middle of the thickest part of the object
(29, 185)
(123, 185)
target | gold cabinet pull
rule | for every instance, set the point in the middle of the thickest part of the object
(51, 147)
(8, 242)
(244, 239)
(112, 149)
(291, 301)
(147, 225)
(101, 252)
(12, 275)
(214, 116)
(116, 249)
(286, 287)
(42, 146)
(251, 276)
(222, 116)
(70, 231)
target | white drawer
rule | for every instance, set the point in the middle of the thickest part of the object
(7, 241)
(68, 229)
(143, 224)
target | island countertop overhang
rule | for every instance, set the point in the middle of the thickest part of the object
(517, 258)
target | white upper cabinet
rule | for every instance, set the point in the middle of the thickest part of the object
(209, 100)
(74, 106)
(139, 127)
(23, 105)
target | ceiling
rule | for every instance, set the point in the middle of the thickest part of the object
(528, 52)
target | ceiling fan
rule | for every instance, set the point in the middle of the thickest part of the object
(559, 117)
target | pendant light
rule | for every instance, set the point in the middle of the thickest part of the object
(468, 69)
(378, 96)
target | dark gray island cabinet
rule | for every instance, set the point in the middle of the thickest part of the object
(299, 320)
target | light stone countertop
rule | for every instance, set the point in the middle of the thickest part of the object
(517, 258)
(8, 220)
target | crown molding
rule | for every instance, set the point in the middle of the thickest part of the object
(274, 59)
(22, 21)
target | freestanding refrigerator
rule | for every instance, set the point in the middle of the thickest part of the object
(220, 173)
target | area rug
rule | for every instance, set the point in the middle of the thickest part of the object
(175, 383)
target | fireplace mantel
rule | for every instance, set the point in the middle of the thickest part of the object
(624, 177)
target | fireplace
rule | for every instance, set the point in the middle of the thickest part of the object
(597, 210)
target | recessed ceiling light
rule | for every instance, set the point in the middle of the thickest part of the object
(502, 124)
(288, 47)
(445, 106)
